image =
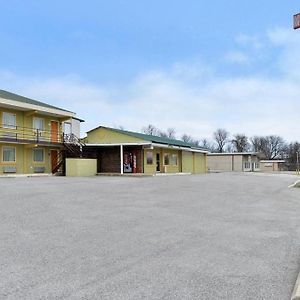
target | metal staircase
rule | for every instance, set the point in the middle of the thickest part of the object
(73, 148)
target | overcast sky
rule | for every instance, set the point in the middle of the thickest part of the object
(193, 65)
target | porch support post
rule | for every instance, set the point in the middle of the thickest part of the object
(121, 156)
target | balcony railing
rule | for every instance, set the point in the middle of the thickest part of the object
(18, 134)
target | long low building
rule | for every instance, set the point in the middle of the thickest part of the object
(233, 162)
(125, 152)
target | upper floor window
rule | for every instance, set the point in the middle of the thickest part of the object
(38, 123)
(67, 128)
(9, 120)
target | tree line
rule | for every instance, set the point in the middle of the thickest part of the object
(270, 146)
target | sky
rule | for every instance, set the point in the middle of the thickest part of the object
(192, 65)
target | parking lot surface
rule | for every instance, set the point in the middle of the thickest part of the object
(215, 236)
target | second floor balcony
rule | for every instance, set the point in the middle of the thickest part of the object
(25, 135)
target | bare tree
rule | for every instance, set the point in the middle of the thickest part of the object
(221, 138)
(275, 146)
(171, 132)
(292, 155)
(272, 146)
(228, 148)
(240, 143)
(206, 144)
(151, 130)
(188, 139)
(257, 143)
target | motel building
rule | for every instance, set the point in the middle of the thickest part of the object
(125, 152)
(33, 135)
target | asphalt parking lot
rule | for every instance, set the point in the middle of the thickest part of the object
(215, 236)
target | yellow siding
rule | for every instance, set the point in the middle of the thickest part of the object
(24, 163)
(28, 122)
(187, 162)
(24, 122)
(18, 164)
(170, 168)
(150, 169)
(77, 167)
(24, 154)
(104, 135)
(199, 163)
(30, 164)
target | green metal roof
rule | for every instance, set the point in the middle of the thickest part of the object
(153, 138)
(15, 97)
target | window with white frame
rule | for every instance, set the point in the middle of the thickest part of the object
(247, 165)
(9, 120)
(67, 128)
(38, 155)
(9, 154)
(38, 123)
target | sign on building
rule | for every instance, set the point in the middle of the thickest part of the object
(297, 21)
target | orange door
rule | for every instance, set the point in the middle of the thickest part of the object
(54, 131)
(54, 159)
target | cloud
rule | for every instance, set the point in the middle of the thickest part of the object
(249, 41)
(288, 59)
(188, 96)
(248, 50)
(237, 57)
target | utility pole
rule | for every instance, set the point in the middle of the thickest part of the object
(298, 169)
(296, 18)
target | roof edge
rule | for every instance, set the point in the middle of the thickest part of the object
(167, 142)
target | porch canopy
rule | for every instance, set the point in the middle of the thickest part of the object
(125, 157)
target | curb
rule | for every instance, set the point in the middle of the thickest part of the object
(296, 291)
(296, 184)
(26, 175)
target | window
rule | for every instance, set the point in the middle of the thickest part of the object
(38, 123)
(173, 160)
(38, 126)
(67, 128)
(166, 159)
(247, 165)
(170, 159)
(149, 158)
(9, 154)
(9, 120)
(38, 155)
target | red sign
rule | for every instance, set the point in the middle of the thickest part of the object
(297, 21)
